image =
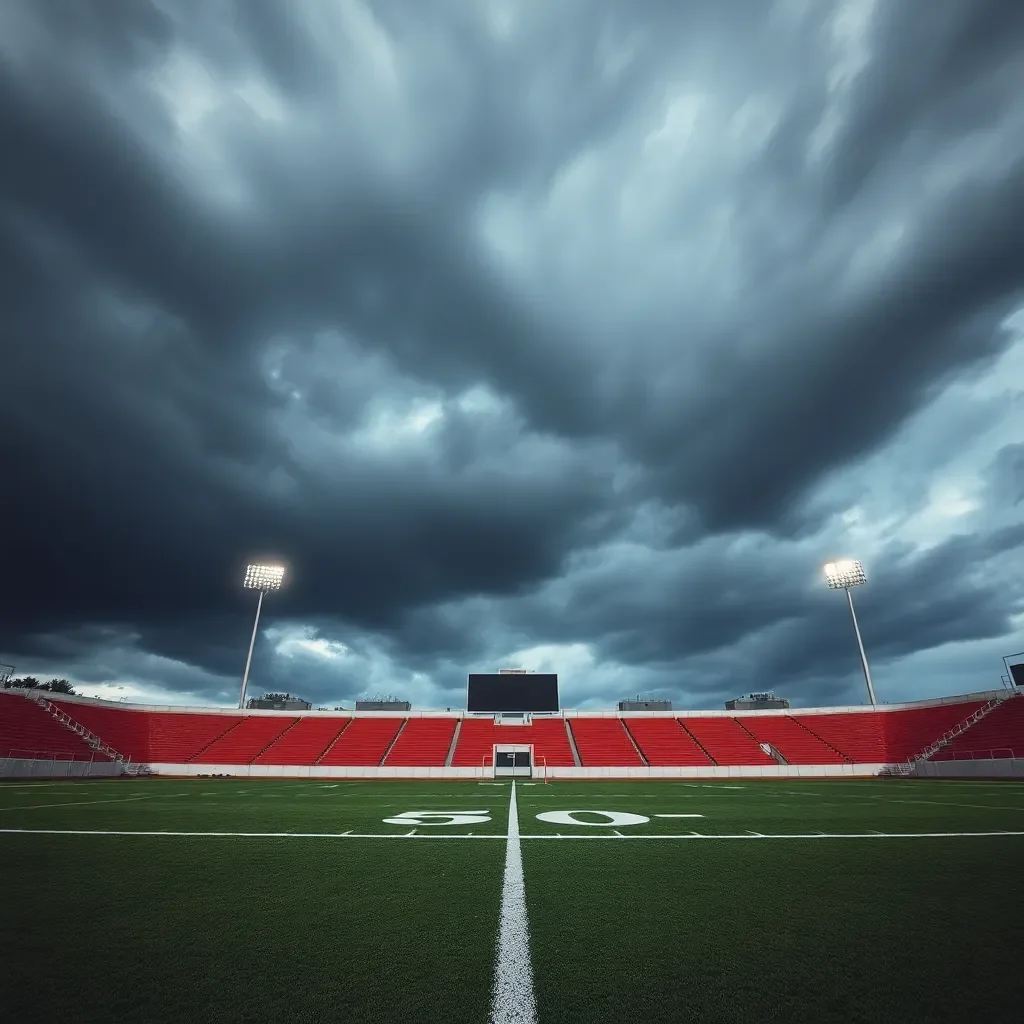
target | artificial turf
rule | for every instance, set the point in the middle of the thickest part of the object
(321, 926)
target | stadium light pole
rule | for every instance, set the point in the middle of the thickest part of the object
(263, 578)
(842, 576)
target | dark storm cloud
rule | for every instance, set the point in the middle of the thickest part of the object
(257, 302)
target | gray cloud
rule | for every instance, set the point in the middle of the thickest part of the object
(578, 334)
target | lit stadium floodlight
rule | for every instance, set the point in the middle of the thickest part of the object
(842, 576)
(263, 578)
(845, 574)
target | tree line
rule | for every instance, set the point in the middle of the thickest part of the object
(31, 683)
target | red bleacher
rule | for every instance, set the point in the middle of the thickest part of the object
(909, 732)
(726, 741)
(424, 742)
(859, 735)
(29, 731)
(877, 737)
(151, 737)
(551, 742)
(476, 742)
(999, 734)
(304, 743)
(246, 741)
(665, 743)
(364, 742)
(477, 738)
(796, 743)
(162, 737)
(603, 742)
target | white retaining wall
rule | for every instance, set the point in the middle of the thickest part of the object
(48, 768)
(995, 768)
(775, 771)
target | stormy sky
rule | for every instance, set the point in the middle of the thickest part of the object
(568, 336)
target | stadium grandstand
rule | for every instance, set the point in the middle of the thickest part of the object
(43, 733)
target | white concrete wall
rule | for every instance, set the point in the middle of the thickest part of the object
(26, 768)
(996, 768)
(776, 771)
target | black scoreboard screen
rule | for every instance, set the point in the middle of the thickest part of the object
(1017, 674)
(512, 691)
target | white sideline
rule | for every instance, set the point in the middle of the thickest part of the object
(513, 1000)
(470, 835)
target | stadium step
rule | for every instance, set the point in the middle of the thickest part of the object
(961, 727)
(90, 738)
(455, 741)
(394, 740)
(274, 740)
(806, 728)
(198, 754)
(337, 737)
(572, 744)
(632, 739)
(698, 742)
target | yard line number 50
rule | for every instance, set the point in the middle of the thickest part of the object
(612, 819)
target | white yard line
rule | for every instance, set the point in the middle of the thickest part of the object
(512, 1000)
(948, 803)
(86, 803)
(803, 835)
(464, 835)
(241, 835)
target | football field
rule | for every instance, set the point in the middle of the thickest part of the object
(158, 900)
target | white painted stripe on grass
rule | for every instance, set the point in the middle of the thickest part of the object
(802, 835)
(465, 835)
(241, 835)
(89, 803)
(679, 815)
(513, 1001)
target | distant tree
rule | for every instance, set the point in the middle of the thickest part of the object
(60, 686)
(26, 682)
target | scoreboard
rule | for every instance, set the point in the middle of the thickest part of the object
(512, 691)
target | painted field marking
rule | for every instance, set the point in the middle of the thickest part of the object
(707, 785)
(512, 999)
(948, 803)
(679, 815)
(804, 835)
(88, 803)
(243, 835)
(557, 835)
(611, 818)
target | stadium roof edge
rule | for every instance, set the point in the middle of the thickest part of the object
(568, 713)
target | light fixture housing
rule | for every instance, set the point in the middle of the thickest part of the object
(845, 574)
(264, 577)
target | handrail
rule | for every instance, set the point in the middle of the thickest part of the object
(90, 737)
(958, 729)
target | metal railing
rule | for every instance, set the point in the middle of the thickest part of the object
(30, 754)
(961, 727)
(90, 737)
(992, 754)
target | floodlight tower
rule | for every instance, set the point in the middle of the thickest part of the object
(842, 576)
(263, 578)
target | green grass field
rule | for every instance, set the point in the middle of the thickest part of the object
(165, 900)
